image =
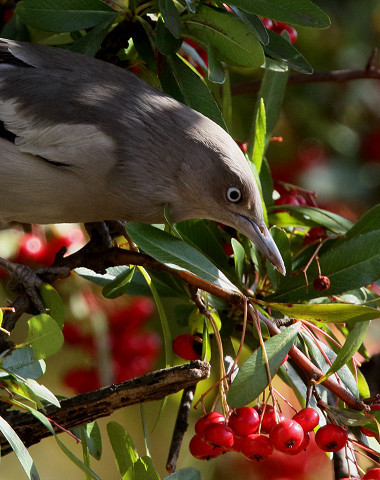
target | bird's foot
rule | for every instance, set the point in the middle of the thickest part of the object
(31, 280)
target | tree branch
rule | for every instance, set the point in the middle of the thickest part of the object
(336, 76)
(87, 407)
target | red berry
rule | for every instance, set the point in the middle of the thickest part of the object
(350, 478)
(219, 435)
(206, 420)
(314, 234)
(302, 448)
(331, 438)
(373, 474)
(244, 421)
(286, 199)
(308, 418)
(32, 250)
(285, 359)
(321, 283)
(202, 450)
(256, 447)
(286, 435)
(367, 432)
(188, 347)
(8, 14)
(268, 23)
(269, 420)
(82, 379)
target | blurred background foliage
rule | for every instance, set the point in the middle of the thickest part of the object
(331, 145)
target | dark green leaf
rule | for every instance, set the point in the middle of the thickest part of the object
(91, 42)
(175, 253)
(254, 23)
(143, 468)
(352, 264)
(346, 416)
(266, 182)
(123, 447)
(351, 345)
(369, 222)
(20, 450)
(119, 285)
(232, 40)
(64, 15)
(239, 258)
(216, 71)
(45, 337)
(280, 49)
(252, 377)
(93, 438)
(165, 41)
(183, 84)
(297, 12)
(171, 17)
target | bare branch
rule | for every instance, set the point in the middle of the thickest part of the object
(90, 406)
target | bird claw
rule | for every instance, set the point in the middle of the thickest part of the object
(32, 280)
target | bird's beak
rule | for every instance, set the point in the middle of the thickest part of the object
(260, 236)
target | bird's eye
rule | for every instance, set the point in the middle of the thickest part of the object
(234, 194)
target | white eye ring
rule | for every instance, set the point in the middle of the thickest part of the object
(234, 194)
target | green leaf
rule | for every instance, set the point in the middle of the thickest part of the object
(171, 16)
(232, 40)
(347, 416)
(252, 377)
(180, 81)
(239, 258)
(310, 216)
(175, 253)
(142, 469)
(21, 362)
(351, 264)
(45, 336)
(271, 92)
(184, 474)
(281, 49)
(319, 358)
(254, 23)
(20, 450)
(42, 392)
(351, 345)
(91, 42)
(64, 15)
(123, 447)
(53, 303)
(165, 41)
(260, 133)
(93, 438)
(368, 223)
(297, 12)
(216, 70)
(327, 312)
(119, 285)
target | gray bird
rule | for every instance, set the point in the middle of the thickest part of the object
(85, 141)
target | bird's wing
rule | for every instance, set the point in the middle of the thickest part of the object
(55, 104)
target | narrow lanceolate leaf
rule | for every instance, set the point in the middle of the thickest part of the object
(260, 132)
(351, 345)
(297, 12)
(252, 377)
(185, 85)
(118, 286)
(327, 312)
(239, 255)
(177, 254)
(20, 450)
(232, 40)
(64, 15)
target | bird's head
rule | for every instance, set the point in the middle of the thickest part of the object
(218, 184)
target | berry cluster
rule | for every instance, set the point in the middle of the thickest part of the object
(256, 432)
(133, 348)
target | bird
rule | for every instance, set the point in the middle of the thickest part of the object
(83, 140)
